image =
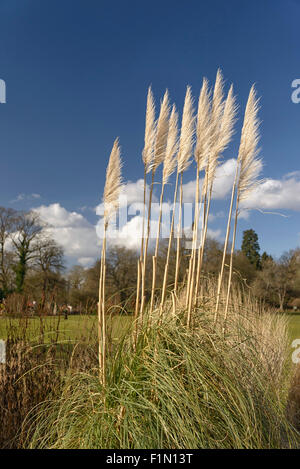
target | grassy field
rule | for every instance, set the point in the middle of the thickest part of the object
(76, 327)
(294, 326)
(177, 391)
(186, 371)
(60, 330)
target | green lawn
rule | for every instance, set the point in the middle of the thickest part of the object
(82, 327)
(56, 329)
(294, 326)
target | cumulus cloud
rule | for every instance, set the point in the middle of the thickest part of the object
(128, 231)
(59, 217)
(81, 239)
(281, 193)
(222, 184)
(132, 193)
(216, 216)
(277, 194)
(25, 197)
(212, 234)
(224, 179)
(72, 231)
(86, 261)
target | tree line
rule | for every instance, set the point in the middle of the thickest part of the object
(28, 254)
(276, 282)
(32, 265)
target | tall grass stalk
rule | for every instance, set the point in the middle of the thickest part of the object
(168, 169)
(147, 155)
(166, 270)
(215, 119)
(249, 169)
(184, 160)
(222, 128)
(198, 253)
(138, 279)
(158, 157)
(111, 201)
(146, 242)
(190, 283)
(179, 233)
(207, 198)
(221, 274)
(201, 155)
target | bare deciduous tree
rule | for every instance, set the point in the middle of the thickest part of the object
(48, 259)
(28, 229)
(8, 218)
(279, 278)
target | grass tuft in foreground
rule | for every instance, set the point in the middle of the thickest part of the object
(180, 388)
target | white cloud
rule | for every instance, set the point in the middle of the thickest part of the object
(214, 234)
(131, 193)
(215, 216)
(189, 189)
(134, 192)
(222, 183)
(211, 234)
(22, 197)
(224, 179)
(129, 232)
(81, 239)
(86, 261)
(72, 231)
(129, 235)
(58, 216)
(277, 193)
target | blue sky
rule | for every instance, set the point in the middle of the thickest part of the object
(77, 73)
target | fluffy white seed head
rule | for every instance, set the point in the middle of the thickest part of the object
(203, 127)
(187, 133)
(113, 182)
(223, 119)
(227, 122)
(216, 115)
(217, 104)
(249, 163)
(161, 132)
(172, 146)
(150, 132)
